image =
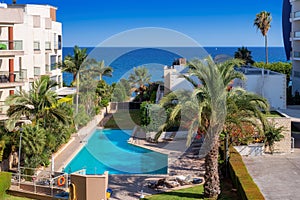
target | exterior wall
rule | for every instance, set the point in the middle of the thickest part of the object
(33, 23)
(90, 187)
(273, 88)
(283, 146)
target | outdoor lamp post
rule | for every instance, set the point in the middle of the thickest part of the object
(20, 147)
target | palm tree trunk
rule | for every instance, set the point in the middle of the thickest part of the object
(212, 183)
(77, 91)
(266, 48)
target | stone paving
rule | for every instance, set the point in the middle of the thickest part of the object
(277, 176)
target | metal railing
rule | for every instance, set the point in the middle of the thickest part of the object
(296, 54)
(40, 178)
(11, 45)
(297, 34)
(17, 76)
(297, 14)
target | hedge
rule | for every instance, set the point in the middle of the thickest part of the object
(5, 181)
(241, 179)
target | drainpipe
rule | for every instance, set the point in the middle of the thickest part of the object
(11, 47)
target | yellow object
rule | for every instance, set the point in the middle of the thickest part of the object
(72, 193)
(108, 195)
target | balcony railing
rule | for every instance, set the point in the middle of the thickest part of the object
(47, 45)
(297, 34)
(296, 54)
(11, 45)
(23, 74)
(297, 14)
(16, 76)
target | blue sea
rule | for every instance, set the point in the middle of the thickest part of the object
(123, 60)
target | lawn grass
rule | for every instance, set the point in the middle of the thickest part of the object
(9, 197)
(183, 194)
(121, 120)
(196, 192)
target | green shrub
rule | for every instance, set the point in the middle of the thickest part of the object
(5, 181)
(241, 179)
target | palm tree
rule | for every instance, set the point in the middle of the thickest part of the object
(102, 70)
(72, 65)
(138, 80)
(37, 105)
(209, 108)
(244, 54)
(263, 23)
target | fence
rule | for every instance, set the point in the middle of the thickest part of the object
(40, 181)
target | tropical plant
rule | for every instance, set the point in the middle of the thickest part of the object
(244, 54)
(272, 135)
(138, 80)
(37, 105)
(33, 144)
(263, 23)
(210, 108)
(101, 69)
(72, 64)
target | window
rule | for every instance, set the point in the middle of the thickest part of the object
(59, 42)
(47, 45)
(53, 62)
(36, 45)
(37, 71)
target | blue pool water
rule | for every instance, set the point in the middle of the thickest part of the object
(108, 150)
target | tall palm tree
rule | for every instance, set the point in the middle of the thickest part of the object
(72, 65)
(37, 105)
(138, 79)
(102, 70)
(209, 108)
(263, 23)
(244, 54)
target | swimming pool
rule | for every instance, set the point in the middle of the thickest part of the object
(108, 150)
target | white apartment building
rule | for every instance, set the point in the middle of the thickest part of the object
(30, 46)
(269, 84)
(291, 38)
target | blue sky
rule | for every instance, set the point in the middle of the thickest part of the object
(210, 23)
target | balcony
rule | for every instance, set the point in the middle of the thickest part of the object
(11, 48)
(5, 80)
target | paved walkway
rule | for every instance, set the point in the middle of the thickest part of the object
(277, 176)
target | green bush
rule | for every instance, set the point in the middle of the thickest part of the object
(5, 181)
(241, 179)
